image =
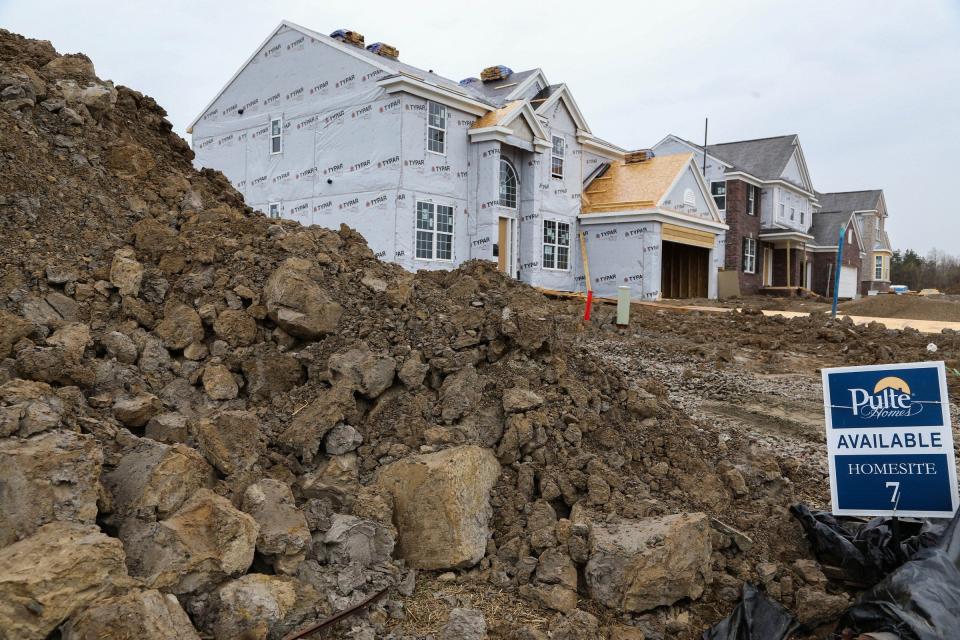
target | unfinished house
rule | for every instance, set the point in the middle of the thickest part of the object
(869, 208)
(764, 194)
(650, 223)
(826, 234)
(433, 172)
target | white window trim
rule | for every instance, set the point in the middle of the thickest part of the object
(561, 157)
(270, 205)
(751, 200)
(750, 242)
(875, 266)
(279, 136)
(446, 116)
(712, 195)
(569, 246)
(516, 180)
(781, 210)
(435, 233)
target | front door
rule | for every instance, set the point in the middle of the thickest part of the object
(505, 245)
(767, 267)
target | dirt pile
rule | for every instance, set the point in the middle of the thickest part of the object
(905, 306)
(238, 426)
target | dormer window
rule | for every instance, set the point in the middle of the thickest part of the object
(436, 128)
(508, 185)
(719, 192)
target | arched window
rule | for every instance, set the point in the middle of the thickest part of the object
(508, 185)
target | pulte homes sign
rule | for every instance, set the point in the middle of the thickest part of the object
(889, 440)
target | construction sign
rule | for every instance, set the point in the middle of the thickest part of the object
(889, 440)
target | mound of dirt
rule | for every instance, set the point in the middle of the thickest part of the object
(905, 306)
(223, 424)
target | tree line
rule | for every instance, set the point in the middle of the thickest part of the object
(936, 270)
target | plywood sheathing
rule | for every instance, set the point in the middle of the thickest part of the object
(495, 117)
(638, 185)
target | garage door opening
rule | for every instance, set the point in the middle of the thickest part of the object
(684, 272)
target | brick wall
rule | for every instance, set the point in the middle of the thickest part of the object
(796, 267)
(742, 225)
(823, 264)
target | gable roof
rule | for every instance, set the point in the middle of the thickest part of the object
(554, 93)
(635, 185)
(390, 65)
(505, 115)
(826, 227)
(500, 92)
(850, 201)
(765, 158)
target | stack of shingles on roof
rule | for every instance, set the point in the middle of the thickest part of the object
(496, 72)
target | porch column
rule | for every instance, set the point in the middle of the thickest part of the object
(789, 246)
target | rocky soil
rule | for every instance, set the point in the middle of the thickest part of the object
(215, 425)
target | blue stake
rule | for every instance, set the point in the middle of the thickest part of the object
(836, 275)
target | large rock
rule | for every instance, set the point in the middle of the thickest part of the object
(55, 573)
(297, 304)
(135, 411)
(271, 374)
(51, 477)
(638, 565)
(357, 541)
(152, 480)
(181, 326)
(370, 373)
(126, 274)
(201, 544)
(135, 615)
(464, 624)
(306, 430)
(12, 329)
(258, 606)
(218, 382)
(235, 327)
(441, 505)
(230, 440)
(284, 537)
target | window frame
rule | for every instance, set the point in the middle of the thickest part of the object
(781, 210)
(748, 257)
(516, 185)
(277, 136)
(432, 127)
(556, 222)
(270, 206)
(715, 195)
(434, 232)
(751, 200)
(555, 159)
(878, 268)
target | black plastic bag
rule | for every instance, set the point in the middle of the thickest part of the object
(918, 601)
(757, 617)
(871, 552)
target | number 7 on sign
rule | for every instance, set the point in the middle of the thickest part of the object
(896, 491)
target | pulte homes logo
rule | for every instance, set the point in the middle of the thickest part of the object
(909, 398)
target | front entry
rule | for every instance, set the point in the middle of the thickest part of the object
(768, 267)
(505, 245)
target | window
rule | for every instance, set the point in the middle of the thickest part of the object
(878, 268)
(434, 231)
(802, 216)
(781, 208)
(437, 128)
(276, 135)
(556, 157)
(556, 245)
(793, 213)
(749, 255)
(878, 232)
(274, 209)
(508, 185)
(849, 236)
(719, 192)
(689, 198)
(751, 200)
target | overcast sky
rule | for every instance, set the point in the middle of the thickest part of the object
(872, 87)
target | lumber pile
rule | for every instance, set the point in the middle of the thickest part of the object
(641, 155)
(384, 49)
(350, 37)
(497, 72)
